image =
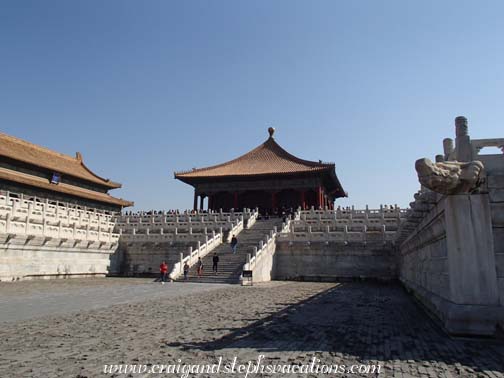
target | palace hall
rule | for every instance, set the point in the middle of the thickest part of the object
(40, 174)
(267, 177)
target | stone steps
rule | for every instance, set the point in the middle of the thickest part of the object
(230, 265)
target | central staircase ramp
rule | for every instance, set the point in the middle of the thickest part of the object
(230, 265)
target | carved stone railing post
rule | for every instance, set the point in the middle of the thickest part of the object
(8, 223)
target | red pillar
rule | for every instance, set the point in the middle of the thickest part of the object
(210, 202)
(319, 196)
(195, 204)
(202, 198)
(235, 201)
(303, 201)
(273, 201)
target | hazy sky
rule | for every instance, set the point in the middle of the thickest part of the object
(147, 88)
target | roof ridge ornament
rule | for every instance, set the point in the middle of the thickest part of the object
(271, 131)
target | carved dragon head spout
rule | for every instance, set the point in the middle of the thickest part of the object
(450, 177)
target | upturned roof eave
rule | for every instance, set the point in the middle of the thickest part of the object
(39, 182)
(327, 170)
(76, 161)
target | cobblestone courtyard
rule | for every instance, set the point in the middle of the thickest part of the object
(72, 328)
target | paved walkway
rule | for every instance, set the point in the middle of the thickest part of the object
(290, 323)
(33, 299)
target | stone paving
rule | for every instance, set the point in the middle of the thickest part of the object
(32, 299)
(288, 322)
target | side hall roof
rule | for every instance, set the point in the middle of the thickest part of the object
(29, 153)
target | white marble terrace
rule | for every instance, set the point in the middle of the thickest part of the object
(21, 217)
(166, 226)
(346, 225)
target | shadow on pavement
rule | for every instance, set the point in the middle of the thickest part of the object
(368, 321)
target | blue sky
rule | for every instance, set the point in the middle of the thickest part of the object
(147, 88)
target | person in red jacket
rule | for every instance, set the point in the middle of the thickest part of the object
(163, 270)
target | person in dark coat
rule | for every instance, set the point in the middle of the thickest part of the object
(234, 244)
(215, 261)
(199, 266)
(186, 271)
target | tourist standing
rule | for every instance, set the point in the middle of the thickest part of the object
(234, 244)
(163, 270)
(186, 271)
(199, 266)
(215, 261)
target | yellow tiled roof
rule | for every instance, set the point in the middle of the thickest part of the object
(43, 183)
(267, 159)
(23, 151)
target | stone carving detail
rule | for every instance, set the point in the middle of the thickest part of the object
(448, 149)
(450, 177)
(461, 128)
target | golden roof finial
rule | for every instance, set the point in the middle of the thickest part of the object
(271, 131)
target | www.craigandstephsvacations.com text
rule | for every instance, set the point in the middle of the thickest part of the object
(240, 369)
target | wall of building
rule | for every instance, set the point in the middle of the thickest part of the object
(451, 247)
(22, 259)
(330, 245)
(424, 261)
(331, 261)
(40, 239)
(449, 263)
(144, 257)
(496, 195)
(149, 238)
(263, 263)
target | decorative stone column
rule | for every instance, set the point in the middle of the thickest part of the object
(474, 297)
(463, 148)
(448, 149)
